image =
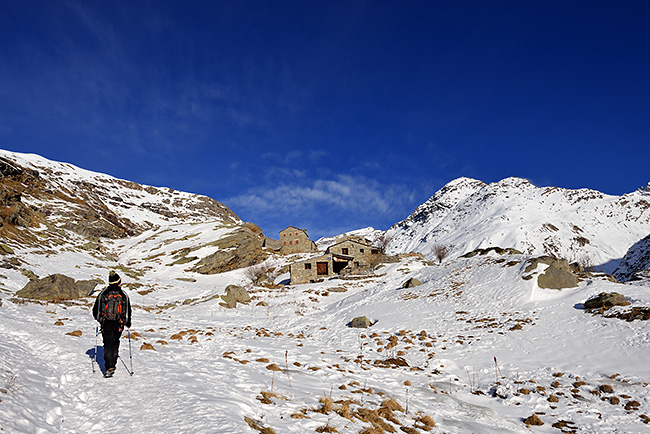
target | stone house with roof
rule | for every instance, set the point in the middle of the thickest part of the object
(296, 240)
(346, 257)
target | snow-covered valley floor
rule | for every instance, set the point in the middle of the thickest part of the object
(475, 348)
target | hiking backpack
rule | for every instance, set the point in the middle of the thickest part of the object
(113, 307)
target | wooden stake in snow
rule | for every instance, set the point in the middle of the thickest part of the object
(273, 367)
(286, 364)
(497, 372)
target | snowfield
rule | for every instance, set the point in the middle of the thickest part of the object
(478, 347)
(475, 348)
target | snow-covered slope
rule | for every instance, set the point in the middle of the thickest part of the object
(636, 263)
(477, 347)
(55, 214)
(369, 233)
(583, 225)
(93, 204)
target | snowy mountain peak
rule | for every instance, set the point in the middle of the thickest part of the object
(574, 224)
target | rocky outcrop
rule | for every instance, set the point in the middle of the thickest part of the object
(636, 262)
(605, 300)
(14, 179)
(235, 294)
(57, 287)
(497, 250)
(240, 249)
(271, 244)
(68, 200)
(558, 275)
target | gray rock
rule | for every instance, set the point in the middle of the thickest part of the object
(557, 278)
(235, 294)
(240, 249)
(55, 287)
(558, 275)
(360, 322)
(411, 283)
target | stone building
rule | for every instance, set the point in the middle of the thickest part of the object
(344, 258)
(295, 240)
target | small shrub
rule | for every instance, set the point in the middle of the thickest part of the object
(440, 252)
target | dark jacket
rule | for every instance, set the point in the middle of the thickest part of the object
(118, 324)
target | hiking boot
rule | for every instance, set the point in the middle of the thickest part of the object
(109, 372)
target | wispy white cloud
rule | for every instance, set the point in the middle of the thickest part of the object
(343, 198)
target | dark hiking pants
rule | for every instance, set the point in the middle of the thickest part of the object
(111, 347)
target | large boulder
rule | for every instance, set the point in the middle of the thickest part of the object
(57, 287)
(606, 300)
(360, 322)
(239, 249)
(235, 294)
(558, 275)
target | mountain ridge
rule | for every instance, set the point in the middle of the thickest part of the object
(46, 203)
(469, 214)
(93, 205)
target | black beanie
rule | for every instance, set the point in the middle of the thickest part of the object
(114, 278)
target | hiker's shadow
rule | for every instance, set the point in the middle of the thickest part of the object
(99, 358)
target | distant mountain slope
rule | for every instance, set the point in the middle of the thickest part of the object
(580, 224)
(636, 263)
(39, 196)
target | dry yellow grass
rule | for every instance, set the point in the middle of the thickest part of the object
(425, 422)
(344, 410)
(254, 425)
(373, 417)
(326, 406)
(326, 428)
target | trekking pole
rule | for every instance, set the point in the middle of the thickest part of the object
(94, 359)
(125, 367)
(130, 355)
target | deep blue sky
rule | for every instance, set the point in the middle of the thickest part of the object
(331, 116)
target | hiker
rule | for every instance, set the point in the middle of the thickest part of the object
(112, 310)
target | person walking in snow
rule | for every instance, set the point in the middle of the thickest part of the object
(112, 310)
